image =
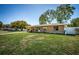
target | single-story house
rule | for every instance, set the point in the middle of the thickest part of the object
(49, 28)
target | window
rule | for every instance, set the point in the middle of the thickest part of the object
(44, 29)
(56, 28)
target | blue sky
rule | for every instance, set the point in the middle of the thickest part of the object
(27, 12)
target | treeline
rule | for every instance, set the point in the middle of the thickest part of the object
(16, 25)
(74, 22)
(62, 13)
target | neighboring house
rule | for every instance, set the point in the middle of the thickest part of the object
(49, 28)
(7, 28)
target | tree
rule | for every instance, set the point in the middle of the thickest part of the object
(64, 12)
(42, 19)
(19, 25)
(47, 17)
(75, 22)
(6, 26)
(50, 15)
(1, 24)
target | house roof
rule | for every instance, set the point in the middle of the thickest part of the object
(48, 25)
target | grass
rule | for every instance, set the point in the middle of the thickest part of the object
(38, 44)
(1, 32)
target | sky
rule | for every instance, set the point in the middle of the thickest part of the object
(28, 12)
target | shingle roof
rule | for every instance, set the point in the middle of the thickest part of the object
(49, 24)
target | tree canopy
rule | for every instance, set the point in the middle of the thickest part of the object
(50, 15)
(19, 24)
(62, 12)
(75, 22)
(42, 19)
(47, 17)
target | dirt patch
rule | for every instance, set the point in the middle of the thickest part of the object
(10, 33)
(24, 42)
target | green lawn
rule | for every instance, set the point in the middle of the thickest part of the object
(38, 43)
(2, 32)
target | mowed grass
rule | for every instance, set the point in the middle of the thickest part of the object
(24, 43)
(2, 32)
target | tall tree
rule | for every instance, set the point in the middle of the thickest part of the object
(1, 24)
(64, 12)
(75, 22)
